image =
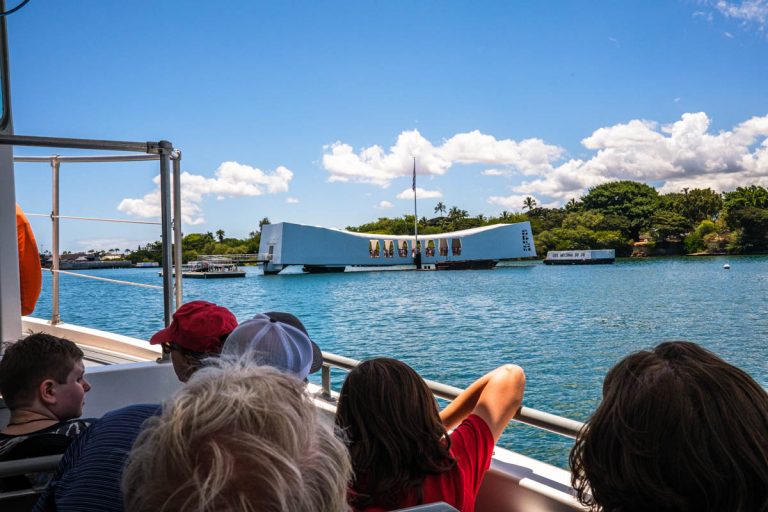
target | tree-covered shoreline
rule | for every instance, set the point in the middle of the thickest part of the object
(628, 216)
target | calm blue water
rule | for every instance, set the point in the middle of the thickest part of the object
(566, 326)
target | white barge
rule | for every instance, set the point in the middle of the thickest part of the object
(581, 257)
(321, 250)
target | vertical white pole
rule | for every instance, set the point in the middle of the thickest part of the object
(415, 214)
(10, 295)
(55, 314)
(177, 235)
(166, 228)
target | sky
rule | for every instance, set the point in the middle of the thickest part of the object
(312, 112)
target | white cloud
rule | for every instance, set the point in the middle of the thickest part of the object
(291, 200)
(513, 202)
(681, 154)
(384, 205)
(107, 244)
(232, 179)
(380, 167)
(747, 11)
(728, 35)
(420, 193)
(704, 15)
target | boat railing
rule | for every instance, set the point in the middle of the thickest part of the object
(170, 203)
(240, 258)
(527, 415)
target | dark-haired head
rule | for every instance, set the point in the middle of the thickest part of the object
(678, 429)
(394, 431)
(29, 361)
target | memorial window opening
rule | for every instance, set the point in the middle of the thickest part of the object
(456, 246)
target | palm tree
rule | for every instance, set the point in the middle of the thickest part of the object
(440, 208)
(263, 221)
(529, 203)
(572, 204)
(505, 215)
(454, 213)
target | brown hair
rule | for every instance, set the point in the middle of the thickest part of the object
(394, 432)
(28, 362)
(238, 437)
(678, 429)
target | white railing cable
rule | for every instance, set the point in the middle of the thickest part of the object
(88, 158)
(101, 219)
(86, 276)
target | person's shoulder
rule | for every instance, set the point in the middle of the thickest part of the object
(476, 424)
(472, 436)
(128, 418)
(133, 412)
(70, 428)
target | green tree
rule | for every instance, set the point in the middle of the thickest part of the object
(440, 208)
(197, 241)
(751, 225)
(455, 213)
(263, 221)
(634, 201)
(695, 240)
(665, 224)
(529, 203)
(572, 205)
(753, 196)
(544, 219)
(220, 234)
(695, 205)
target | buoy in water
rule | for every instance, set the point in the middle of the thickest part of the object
(726, 266)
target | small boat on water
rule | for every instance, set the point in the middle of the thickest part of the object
(581, 257)
(210, 269)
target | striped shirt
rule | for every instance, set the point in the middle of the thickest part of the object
(88, 477)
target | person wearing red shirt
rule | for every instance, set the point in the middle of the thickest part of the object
(401, 451)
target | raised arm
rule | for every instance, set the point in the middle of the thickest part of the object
(496, 397)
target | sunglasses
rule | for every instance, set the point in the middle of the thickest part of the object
(171, 346)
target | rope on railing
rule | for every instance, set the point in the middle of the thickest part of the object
(48, 215)
(532, 417)
(130, 283)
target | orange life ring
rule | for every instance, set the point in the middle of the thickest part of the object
(30, 273)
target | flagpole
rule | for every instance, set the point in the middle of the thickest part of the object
(417, 252)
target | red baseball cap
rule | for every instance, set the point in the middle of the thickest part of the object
(198, 326)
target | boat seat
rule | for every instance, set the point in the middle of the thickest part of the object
(34, 446)
(439, 506)
(24, 499)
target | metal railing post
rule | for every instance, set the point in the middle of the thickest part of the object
(55, 315)
(326, 380)
(177, 235)
(165, 214)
